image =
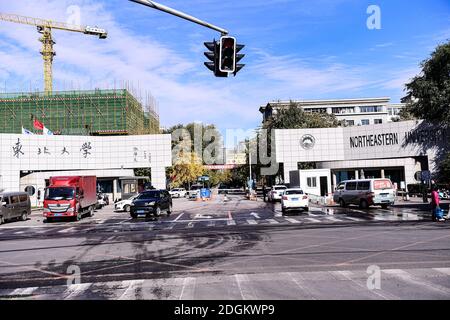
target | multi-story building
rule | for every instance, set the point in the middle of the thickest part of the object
(350, 112)
(97, 112)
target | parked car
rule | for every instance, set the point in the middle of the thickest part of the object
(102, 200)
(294, 199)
(178, 193)
(365, 193)
(195, 191)
(276, 193)
(124, 205)
(14, 205)
(151, 202)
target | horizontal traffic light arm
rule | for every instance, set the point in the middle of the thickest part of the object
(158, 6)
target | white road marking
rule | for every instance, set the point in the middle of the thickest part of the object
(231, 223)
(23, 291)
(443, 270)
(19, 232)
(251, 221)
(66, 230)
(354, 219)
(333, 219)
(130, 293)
(255, 215)
(406, 276)
(291, 220)
(190, 225)
(272, 221)
(312, 214)
(188, 289)
(312, 220)
(75, 290)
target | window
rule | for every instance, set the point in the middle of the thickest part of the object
(291, 192)
(378, 121)
(390, 111)
(6, 200)
(311, 182)
(365, 122)
(23, 198)
(371, 109)
(343, 110)
(341, 186)
(351, 186)
(364, 185)
(350, 122)
(14, 199)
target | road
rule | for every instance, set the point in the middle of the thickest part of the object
(229, 250)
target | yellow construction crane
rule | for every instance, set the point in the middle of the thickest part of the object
(45, 28)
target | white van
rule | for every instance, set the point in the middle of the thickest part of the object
(365, 193)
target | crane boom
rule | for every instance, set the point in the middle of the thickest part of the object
(45, 28)
(101, 33)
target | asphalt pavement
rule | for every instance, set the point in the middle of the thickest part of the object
(238, 249)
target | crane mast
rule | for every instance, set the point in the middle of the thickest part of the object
(45, 27)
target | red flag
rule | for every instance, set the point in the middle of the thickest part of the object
(38, 125)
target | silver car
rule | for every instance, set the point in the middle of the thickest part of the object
(365, 193)
(14, 205)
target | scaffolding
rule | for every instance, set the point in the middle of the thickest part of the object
(97, 112)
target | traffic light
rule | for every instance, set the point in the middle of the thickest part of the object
(224, 57)
(213, 56)
(229, 56)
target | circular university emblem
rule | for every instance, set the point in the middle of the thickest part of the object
(307, 142)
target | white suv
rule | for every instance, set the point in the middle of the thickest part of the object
(276, 192)
(294, 199)
(178, 193)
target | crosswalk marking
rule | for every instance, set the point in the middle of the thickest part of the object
(66, 230)
(312, 214)
(272, 221)
(312, 219)
(354, 219)
(443, 270)
(76, 290)
(130, 291)
(24, 291)
(292, 220)
(333, 219)
(251, 221)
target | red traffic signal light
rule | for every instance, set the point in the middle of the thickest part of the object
(227, 55)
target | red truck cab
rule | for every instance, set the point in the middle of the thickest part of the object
(70, 197)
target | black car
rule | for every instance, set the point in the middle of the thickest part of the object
(151, 202)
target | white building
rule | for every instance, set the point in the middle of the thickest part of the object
(350, 112)
(395, 150)
(29, 160)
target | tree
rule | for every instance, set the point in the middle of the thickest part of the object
(209, 136)
(186, 169)
(428, 94)
(294, 117)
(444, 169)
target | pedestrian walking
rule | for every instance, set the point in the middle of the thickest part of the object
(264, 193)
(435, 202)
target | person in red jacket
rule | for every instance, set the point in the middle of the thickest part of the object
(435, 201)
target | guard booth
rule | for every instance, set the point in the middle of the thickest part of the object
(131, 186)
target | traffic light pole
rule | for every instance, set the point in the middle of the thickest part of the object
(155, 5)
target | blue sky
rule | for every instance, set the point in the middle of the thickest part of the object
(296, 49)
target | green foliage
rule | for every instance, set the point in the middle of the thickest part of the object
(444, 170)
(428, 94)
(294, 117)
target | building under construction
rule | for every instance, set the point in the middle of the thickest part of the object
(98, 112)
